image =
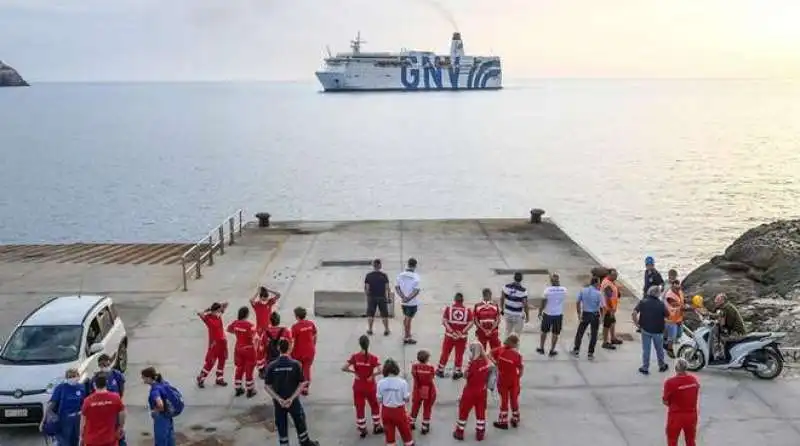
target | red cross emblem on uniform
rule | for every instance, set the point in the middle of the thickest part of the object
(458, 314)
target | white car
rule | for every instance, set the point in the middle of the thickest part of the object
(63, 333)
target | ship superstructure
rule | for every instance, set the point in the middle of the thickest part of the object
(410, 70)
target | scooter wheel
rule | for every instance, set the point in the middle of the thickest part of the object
(694, 357)
(773, 361)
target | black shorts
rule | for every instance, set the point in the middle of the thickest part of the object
(409, 311)
(609, 320)
(375, 304)
(552, 323)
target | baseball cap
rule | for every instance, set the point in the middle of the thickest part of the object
(649, 260)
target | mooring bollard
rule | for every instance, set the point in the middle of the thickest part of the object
(263, 219)
(536, 215)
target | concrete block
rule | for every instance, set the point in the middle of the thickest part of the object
(342, 304)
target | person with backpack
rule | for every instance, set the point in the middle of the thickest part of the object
(63, 411)
(165, 403)
(115, 383)
(263, 301)
(272, 337)
(284, 382)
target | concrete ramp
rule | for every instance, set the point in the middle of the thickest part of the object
(343, 304)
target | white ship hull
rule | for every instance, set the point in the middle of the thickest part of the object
(410, 71)
(486, 75)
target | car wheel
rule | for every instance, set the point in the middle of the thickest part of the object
(122, 357)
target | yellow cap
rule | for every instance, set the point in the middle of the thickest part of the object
(697, 301)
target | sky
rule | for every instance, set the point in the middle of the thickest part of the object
(206, 40)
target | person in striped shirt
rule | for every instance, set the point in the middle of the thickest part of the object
(514, 305)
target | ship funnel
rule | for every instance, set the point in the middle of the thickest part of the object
(456, 46)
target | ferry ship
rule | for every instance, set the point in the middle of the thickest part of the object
(410, 70)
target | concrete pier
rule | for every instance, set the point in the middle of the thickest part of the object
(564, 400)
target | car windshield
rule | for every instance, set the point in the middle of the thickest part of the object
(52, 344)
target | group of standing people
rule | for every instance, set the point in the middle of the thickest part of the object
(93, 413)
(282, 355)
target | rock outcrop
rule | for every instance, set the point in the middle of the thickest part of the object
(9, 77)
(760, 273)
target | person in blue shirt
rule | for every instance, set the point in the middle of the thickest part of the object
(115, 382)
(65, 404)
(163, 424)
(590, 304)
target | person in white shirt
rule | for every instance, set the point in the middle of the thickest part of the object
(551, 312)
(393, 394)
(407, 288)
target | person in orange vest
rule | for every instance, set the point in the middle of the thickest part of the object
(673, 299)
(487, 320)
(457, 320)
(610, 291)
(424, 393)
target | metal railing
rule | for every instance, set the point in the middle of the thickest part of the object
(203, 252)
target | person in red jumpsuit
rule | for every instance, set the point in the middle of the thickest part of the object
(681, 393)
(365, 366)
(263, 302)
(217, 352)
(393, 394)
(424, 393)
(487, 319)
(244, 353)
(509, 372)
(269, 342)
(457, 320)
(304, 333)
(474, 394)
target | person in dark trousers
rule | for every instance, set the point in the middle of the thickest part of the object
(651, 276)
(284, 382)
(590, 305)
(376, 288)
(650, 316)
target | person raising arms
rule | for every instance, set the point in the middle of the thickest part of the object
(217, 351)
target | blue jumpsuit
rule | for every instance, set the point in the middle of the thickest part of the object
(68, 399)
(115, 384)
(163, 426)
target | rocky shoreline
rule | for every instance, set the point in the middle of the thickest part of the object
(760, 273)
(9, 77)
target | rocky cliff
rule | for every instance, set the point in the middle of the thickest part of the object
(9, 77)
(760, 273)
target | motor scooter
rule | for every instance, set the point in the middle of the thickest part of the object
(758, 353)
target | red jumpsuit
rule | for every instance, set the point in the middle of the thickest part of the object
(680, 395)
(474, 397)
(487, 319)
(304, 334)
(244, 354)
(364, 365)
(456, 319)
(509, 371)
(217, 352)
(393, 393)
(263, 310)
(423, 395)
